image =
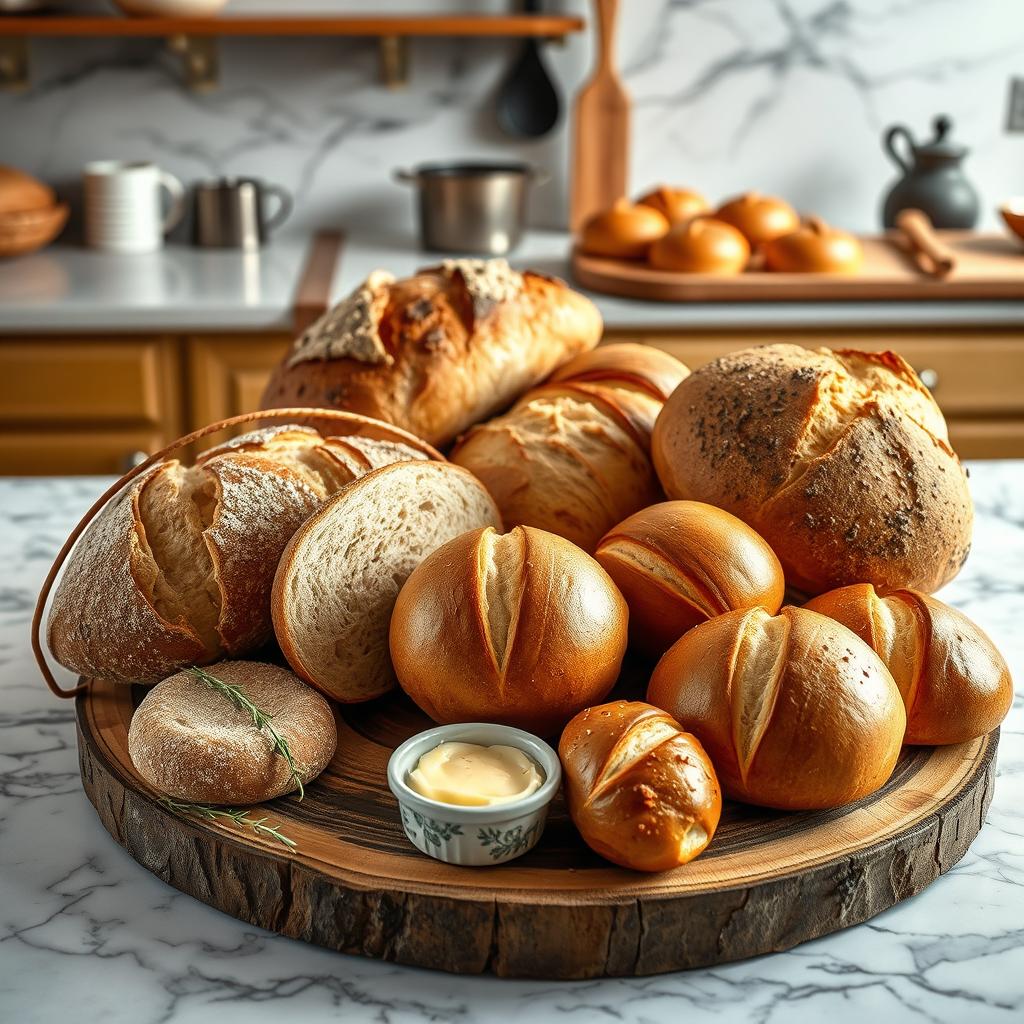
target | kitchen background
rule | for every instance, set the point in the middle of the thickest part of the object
(786, 96)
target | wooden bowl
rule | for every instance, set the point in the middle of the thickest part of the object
(28, 230)
(1012, 212)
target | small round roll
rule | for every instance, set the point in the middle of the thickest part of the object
(795, 710)
(522, 628)
(641, 791)
(677, 205)
(814, 248)
(954, 683)
(624, 232)
(701, 246)
(189, 741)
(680, 563)
(760, 218)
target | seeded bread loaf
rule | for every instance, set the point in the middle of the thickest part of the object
(840, 460)
(177, 568)
(439, 351)
(572, 456)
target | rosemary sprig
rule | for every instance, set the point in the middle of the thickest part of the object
(235, 814)
(260, 719)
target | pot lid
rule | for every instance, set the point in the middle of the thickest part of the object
(941, 146)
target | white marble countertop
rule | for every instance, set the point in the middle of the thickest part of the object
(67, 288)
(87, 935)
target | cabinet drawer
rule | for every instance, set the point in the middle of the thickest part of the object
(59, 453)
(62, 381)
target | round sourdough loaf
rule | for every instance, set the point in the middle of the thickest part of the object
(840, 460)
(523, 629)
(177, 568)
(795, 710)
(339, 576)
(954, 682)
(192, 743)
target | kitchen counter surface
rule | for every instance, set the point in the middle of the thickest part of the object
(88, 935)
(72, 289)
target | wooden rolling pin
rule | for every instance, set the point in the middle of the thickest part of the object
(927, 252)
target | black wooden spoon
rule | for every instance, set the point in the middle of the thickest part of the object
(528, 104)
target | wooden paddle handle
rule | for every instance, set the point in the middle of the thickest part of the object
(182, 442)
(607, 13)
(928, 252)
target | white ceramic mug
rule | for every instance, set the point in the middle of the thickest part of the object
(123, 208)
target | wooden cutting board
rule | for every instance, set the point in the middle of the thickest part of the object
(987, 267)
(768, 881)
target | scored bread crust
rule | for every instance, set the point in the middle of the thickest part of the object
(522, 629)
(840, 460)
(642, 792)
(954, 682)
(446, 349)
(177, 568)
(572, 456)
(340, 574)
(192, 743)
(795, 710)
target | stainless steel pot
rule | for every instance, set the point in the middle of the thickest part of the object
(471, 207)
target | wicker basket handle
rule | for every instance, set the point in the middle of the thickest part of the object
(290, 415)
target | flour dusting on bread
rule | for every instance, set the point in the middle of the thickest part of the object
(488, 282)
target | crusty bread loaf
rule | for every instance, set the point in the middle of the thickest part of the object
(523, 629)
(192, 743)
(680, 563)
(177, 568)
(840, 460)
(572, 456)
(953, 681)
(641, 791)
(795, 710)
(439, 351)
(338, 578)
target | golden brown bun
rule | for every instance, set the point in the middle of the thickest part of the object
(522, 628)
(177, 569)
(795, 710)
(954, 682)
(20, 192)
(681, 563)
(624, 232)
(760, 218)
(676, 205)
(192, 743)
(840, 460)
(572, 457)
(640, 790)
(814, 248)
(439, 351)
(702, 246)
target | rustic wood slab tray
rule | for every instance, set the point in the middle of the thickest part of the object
(767, 882)
(987, 267)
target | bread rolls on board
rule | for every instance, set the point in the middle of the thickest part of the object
(572, 457)
(955, 684)
(840, 460)
(340, 574)
(641, 791)
(521, 629)
(177, 568)
(192, 743)
(680, 563)
(439, 351)
(795, 711)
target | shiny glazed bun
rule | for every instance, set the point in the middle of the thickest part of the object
(954, 682)
(624, 232)
(814, 248)
(840, 460)
(681, 563)
(701, 246)
(521, 628)
(677, 205)
(760, 218)
(640, 790)
(794, 710)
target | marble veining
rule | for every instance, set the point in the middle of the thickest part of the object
(88, 935)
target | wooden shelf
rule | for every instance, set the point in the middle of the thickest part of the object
(545, 26)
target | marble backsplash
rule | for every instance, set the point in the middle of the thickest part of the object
(788, 96)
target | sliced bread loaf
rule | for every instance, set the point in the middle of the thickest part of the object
(340, 574)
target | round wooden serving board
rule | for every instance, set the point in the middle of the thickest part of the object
(767, 882)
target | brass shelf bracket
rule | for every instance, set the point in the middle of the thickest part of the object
(14, 75)
(200, 60)
(394, 61)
